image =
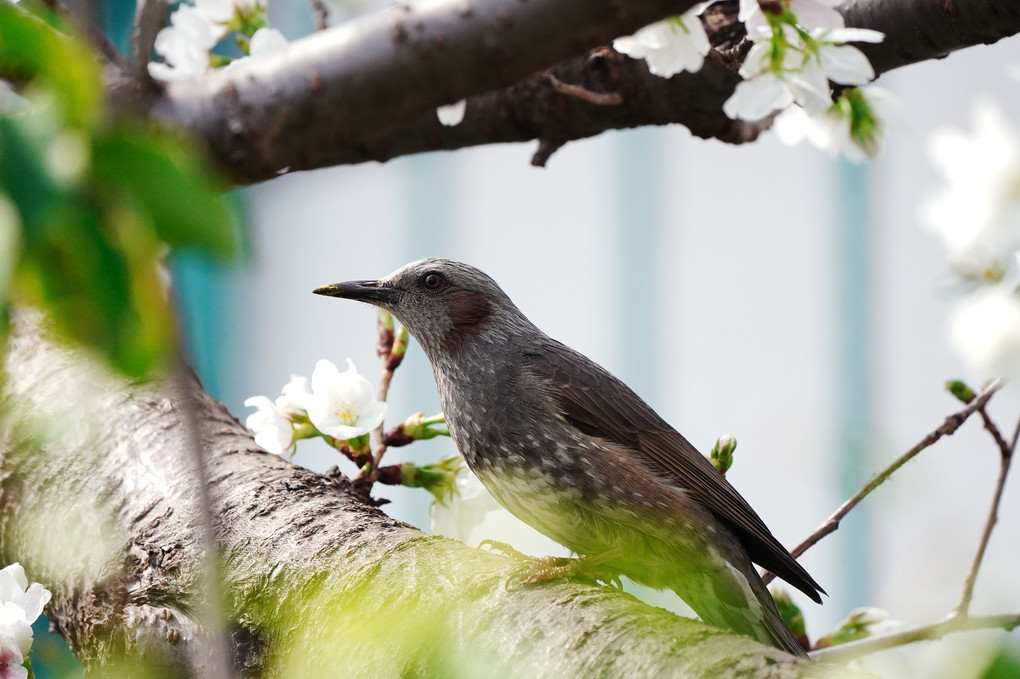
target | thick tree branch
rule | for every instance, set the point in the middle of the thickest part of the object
(367, 90)
(919, 30)
(355, 81)
(97, 500)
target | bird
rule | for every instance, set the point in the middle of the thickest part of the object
(573, 452)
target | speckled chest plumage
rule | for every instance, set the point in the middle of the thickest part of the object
(543, 469)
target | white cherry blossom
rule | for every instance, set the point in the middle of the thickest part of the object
(669, 46)
(195, 29)
(835, 129)
(977, 214)
(273, 431)
(20, 605)
(805, 65)
(14, 623)
(814, 13)
(984, 329)
(11, 659)
(343, 405)
(184, 45)
(14, 588)
(266, 41)
(294, 398)
(453, 114)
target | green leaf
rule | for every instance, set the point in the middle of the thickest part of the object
(23, 174)
(1005, 665)
(164, 180)
(789, 612)
(101, 288)
(31, 49)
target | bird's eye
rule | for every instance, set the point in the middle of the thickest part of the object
(432, 280)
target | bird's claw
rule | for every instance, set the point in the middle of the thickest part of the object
(505, 549)
(539, 569)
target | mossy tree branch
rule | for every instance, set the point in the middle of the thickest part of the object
(98, 502)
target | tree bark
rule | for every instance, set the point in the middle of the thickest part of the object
(99, 501)
(367, 90)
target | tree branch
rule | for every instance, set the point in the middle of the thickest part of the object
(855, 649)
(355, 81)
(1005, 458)
(948, 427)
(919, 30)
(150, 18)
(367, 90)
(313, 579)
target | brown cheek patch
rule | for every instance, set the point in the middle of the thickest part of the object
(467, 311)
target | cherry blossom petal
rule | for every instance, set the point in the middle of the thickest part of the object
(813, 14)
(272, 430)
(756, 98)
(669, 46)
(452, 114)
(846, 64)
(266, 41)
(985, 330)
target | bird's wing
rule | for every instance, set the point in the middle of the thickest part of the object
(600, 405)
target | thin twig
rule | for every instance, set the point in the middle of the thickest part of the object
(93, 34)
(1005, 458)
(150, 18)
(948, 427)
(955, 623)
(584, 94)
(320, 15)
(1016, 436)
(1004, 448)
(385, 376)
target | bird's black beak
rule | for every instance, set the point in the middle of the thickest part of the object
(372, 292)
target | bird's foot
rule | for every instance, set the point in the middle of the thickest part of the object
(555, 568)
(506, 550)
(538, 569)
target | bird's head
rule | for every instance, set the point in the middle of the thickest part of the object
(442, 303)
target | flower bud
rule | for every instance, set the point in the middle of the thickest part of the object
(437, 478)
(384, 326)
(861, 623)
(398, 349)
(960, 390)
(721, 456)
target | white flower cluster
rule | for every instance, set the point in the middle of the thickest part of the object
(196, 28)
(853, 127)
(338, 404)
(977, 215)
(795, 55)
(20, 605)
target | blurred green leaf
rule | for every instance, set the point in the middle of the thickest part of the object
(164, 180)
(789, 612)
(1005, 665)
(31, 49)
(100, 290)
(94, 201)
(23, 173)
